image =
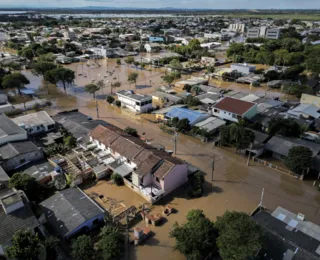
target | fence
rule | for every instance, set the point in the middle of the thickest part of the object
(277, 168)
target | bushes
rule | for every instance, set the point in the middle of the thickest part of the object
(196, 185)
(117, 179)
(118, 103)
(131, 131)
(13, 113)
(110, 99)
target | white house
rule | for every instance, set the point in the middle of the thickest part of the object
(35, 123)
(135, 102)
(233, 109)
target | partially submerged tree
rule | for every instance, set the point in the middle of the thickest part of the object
(132, 78)
(110, 245)
(110, 99)
(299, 159)
(240, 238)
(131, 131)
(197, 237)
(63, 75)
(92, 89)
(114, 85)
(15, 80)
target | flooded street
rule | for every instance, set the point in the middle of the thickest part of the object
(235, 186)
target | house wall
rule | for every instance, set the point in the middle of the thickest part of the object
(12, 138)
(175, 178)
(87, 224)
(147, 179)
(224, 115)
(21, 159)
(134, 105)
(310, 99)
(136, 179)
(252, 112)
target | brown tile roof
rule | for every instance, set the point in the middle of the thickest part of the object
(164, 168)
(104, 135)
(233, 105)
(145, 161)
(126, 148)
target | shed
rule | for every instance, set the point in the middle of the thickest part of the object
(211, 124)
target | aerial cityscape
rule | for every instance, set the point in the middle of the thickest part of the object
(181, 129)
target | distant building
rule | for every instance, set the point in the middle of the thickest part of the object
(310, 99)
(233, 109)
(243, 68)
(238, 27)
(35, 123)
(264, 32)
(135, 102)
(156, 39)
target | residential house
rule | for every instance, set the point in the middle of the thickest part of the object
(5, 106)
(193, 81)
(211, 124)
(287, 236)
(310, 100)
(146, 170)
(15, 215)
(243, 68)
(193, 116)
(10, 131)
(156, 39)
(70, 212)
(35, 123)
(307, 111)
(278, 83)
(256, 148)
(135, 102)
(15, 154)
(161, 98)
(4, 179)
(161, 113)
(233, 109)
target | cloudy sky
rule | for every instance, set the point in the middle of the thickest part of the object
(214, 4)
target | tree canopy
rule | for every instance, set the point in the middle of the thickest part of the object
(82, 248)
(133, 76)
(299, 159)
(286, 127)
(131, 131)
(22, 181)
(240, 238)
(197, 237)
(92, 89)
(25, 245)
(15, 80)
(41, 67)
(110, 245)
(63, 75)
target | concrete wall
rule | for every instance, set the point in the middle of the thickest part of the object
(21, 159)
(252, 112)
(147, 179)
(136, 179)
(224, 115)
(12, 138)
(134, 105)
(175, 178)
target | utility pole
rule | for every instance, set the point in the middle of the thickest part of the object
(175, 137)
(248, 158)
(97, 108)
(127, 237)
(212, 167)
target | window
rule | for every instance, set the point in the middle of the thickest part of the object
(234, 116)
(50, 127)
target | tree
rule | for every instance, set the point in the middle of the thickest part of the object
(281, 57)
(117, 178)
(82, 248)
(133, 77)
(299, 159)
(195, 182)
(22, 181)
(176, 64)
(116, 84)
(25, 245)
(131, 131)
(118, 61)
(92, 89)
(286, 127)
(197, 237)
(27, 52)
(271, 75)
(63, 75)
(240, 238)
(41, 67)
(15, 80)
(110, 99)
(48, 57)
(187, 87)
(190, 101)
(118, 103)
(183, 125)
(168, 79)
(70, 141)
(110, 244)
(129, 60)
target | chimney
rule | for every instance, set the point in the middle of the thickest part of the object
(11, 202)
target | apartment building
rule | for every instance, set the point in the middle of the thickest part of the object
(264, 32)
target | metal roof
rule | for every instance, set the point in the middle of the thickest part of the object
(211, 123)
(192, 115)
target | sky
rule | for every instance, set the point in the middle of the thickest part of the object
(210, 4)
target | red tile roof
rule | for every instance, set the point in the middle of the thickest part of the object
(233, 105)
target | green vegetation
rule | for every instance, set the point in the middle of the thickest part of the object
(192, 50)
(240, 238)
(110, 99)
(118, 61)
(63, 75)
(169, 78)
(190, 101)
(195, 183)
(92, 89)
(237, 136)
(114, 85)
(15, 80)
(117, 178)
(182, 125)
(132, 77)
(175, 64)
(299, 159)
(286, 127)
(22, 181)
(82, 248)
(25, 246)
(110, 245)
(129, 60)
(131, 131)
(118, 103)
(196, 239)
